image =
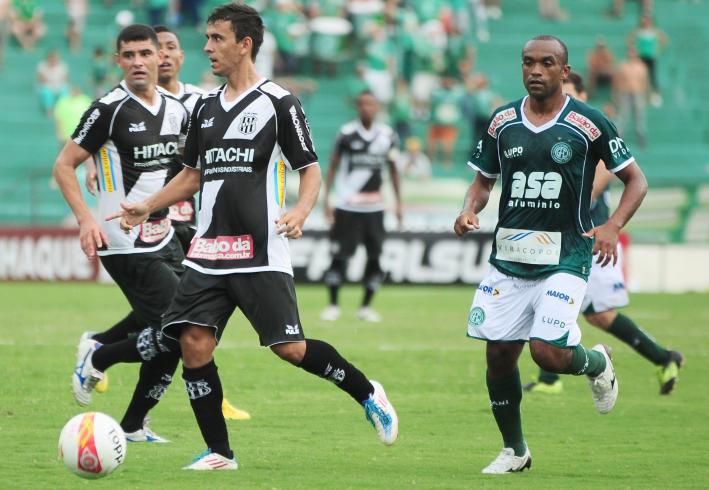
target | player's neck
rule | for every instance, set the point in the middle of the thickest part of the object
(240, 80)
(172, 86)
(544, 109)
(147, 95)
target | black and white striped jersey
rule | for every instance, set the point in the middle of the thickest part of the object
(364, 154)
(243, 148)
(134, 146)
(184, 211)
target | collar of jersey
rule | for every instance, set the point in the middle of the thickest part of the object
(227, 106)
(546, 125)
(154, 109)
(367, 134)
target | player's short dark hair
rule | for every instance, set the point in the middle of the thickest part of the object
(136, 32)
(245, 22)
(564, 49)
(161, 28)
(364, 92)
(575, 80)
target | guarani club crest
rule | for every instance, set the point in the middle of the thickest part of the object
(561, 152)
(247, 125)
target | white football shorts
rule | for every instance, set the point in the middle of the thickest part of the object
(606, 287)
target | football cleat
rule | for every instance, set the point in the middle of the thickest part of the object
(330, 314)
(381, 414)
(212, 461)
(507, 462)
(668, 373)
(366, 314)
(144, 435)
(230, 412)
(85, 377)
(604, 387)
(554, 388)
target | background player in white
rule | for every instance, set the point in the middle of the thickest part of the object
(364, 149)
(606, 291)
(541, 254)
(134, 133)
(242, 136)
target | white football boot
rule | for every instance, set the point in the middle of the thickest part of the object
(330, 314)
(381, 414)
(85, 377)
(366, 314)
(145, 434)
(604, 387)
(507, 462)
(208, 461)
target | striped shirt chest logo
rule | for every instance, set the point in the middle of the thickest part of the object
(248, 122)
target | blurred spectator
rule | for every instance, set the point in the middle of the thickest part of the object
(493, 9)
(446, 116)
(480, 16)
(100, 66)
(429, 48)
(405, 31)
(413, 162)
(289, 27)
(400, 113)
(77, 10)
(630, 92)
(52, 80)
(156, 10)
(380, 65)
(649, 41)
(356, 84)
(26, 23)
(550, 10)
(68, 112)
(459, 54)
(325, 8)
(327, 42)
(266, 59)
(190, 12)
(601, 66)
(618, 8)
(477, 104)
(4, 27)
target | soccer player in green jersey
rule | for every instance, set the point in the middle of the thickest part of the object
(606, 291)
(544, 149)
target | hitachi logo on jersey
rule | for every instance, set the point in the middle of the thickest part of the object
(222, 248)
(298, 127)
(137, 127)
(367, 160)
(153, 151)
(87, 125)
(584, 124)
(501, 118)
(513, 152)
(220, 155)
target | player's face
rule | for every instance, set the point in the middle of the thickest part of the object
(543, 70)
(224, 51)
(367, 107)
(570, 89)
(169, 69)
(139, 61)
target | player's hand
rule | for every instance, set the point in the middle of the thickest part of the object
(291, 223)
(329, 215)
(606, 245)
(90, 177)
(131, 215)
(467, 221)
(91, 237)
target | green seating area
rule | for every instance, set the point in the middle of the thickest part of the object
(676, 158)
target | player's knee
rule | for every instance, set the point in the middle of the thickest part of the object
(549, 357)
(292, 352)
(601, 320)
(197, 344)
(336, 274)
(502, 358)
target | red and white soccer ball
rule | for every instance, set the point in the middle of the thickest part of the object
(92, 445)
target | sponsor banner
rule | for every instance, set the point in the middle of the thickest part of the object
(44, 254)
(407, 258)
(222, 248)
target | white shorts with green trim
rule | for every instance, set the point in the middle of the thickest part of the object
(512, 309)
(606, 287)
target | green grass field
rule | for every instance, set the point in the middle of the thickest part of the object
(305, 433)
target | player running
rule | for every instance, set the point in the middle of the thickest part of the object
(544, 148)
(606, 291)
(134, 133)
(243, 136)
(364, 148)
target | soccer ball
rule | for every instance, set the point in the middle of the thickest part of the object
(92, 445)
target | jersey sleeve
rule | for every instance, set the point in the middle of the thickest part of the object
(294, 134)
(93, 128)
(191, 153)
(610, 147)
(485, 159)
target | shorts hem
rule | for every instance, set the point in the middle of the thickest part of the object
(189, 322)
(557, 342)
(500, 341)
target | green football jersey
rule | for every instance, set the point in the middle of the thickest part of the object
(546, 174)
(600, 208)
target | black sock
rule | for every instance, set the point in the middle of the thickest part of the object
(321, 359)
(145, 347)
(154, 379)
(204, 389)
(333, 290)
(368, 295)
(120, 331)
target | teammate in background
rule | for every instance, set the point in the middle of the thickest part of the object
(364, 148)
(544, 147)
(182, 214)
(134, 132)
(242, 138)
(606, 290)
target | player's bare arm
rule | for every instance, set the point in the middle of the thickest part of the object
(606, 235)
(475, 201)
(291, 222)
(396, 185)
(183, 186)
(329, 180)
(90, 234)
